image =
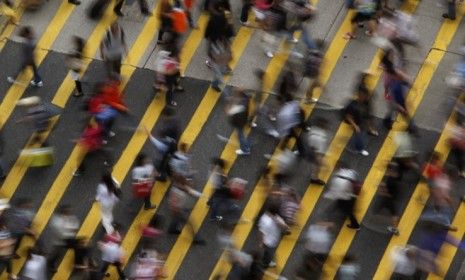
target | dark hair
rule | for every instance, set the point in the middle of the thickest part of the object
(79, 43)
(108, 181)
(25, 32)
(219, 162)
(140, 159)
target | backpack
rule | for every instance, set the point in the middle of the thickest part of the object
(179, 20)
(312, 64)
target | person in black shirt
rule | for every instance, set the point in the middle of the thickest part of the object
(28, 58)
(354, 116)
(389, 191)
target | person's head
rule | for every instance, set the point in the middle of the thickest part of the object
(219, 163)
(183, 147)
(168, 112)
(26, 32)
(321, 123)
(24, 203)
(141, 159)
(343, 165)
(114, 27)
(78, 42)
(392, 169)
(64, 210)
(435, 157)
(107, 179)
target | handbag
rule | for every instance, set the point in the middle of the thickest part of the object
(39, 157)
(142, 189)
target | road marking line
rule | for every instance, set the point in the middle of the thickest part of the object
(189, 136)
(375, 176)
(56, 191)
(447, 251)
(16, 91)
(18, 170)
(193, 41)
(258, 197)
(149, 119)
(341, 139)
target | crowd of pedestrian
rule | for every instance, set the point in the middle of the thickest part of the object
(282, 118)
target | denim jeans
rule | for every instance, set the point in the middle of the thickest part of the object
(218, 71)
(358, 141)
(244, 143)
(308, 41)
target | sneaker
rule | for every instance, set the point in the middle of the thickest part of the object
(311, 100)
(393, 230)
(199, 241)
(318, 182)
(216, 88)
(272, 118)
(153, 206)
(77, 173)
(38, 84)
(272, 264)
(242, 153)
(273, 132)
(269, 54)
(208, 63)
(357, 228)
(111, 134)
(10, 79)
(293, 40)
(364, 153)
(253, 124)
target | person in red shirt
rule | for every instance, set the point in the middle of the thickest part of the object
(91, 143)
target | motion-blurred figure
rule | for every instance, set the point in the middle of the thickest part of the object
(28, 57)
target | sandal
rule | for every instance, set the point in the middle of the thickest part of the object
(349, 36)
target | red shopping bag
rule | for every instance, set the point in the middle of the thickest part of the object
(142, 189)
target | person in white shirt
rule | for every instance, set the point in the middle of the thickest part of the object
(319, 240)
(317, 143)
(64, 228)
(107, 196)
(271, 227)
(342, 191)
(35, 267)
(144, 172)
(404, 262)
(112, 254)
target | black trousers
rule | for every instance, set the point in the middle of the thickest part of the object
(451, 9)
(245, 10)
(142, 4)
(347, 207)
(118, 266)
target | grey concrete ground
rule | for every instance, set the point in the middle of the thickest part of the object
(431, 115)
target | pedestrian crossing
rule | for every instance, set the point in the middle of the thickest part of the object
(202, 117)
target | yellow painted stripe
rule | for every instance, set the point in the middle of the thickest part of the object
(121, 168)
(410, 215)
(64, 177)
(6, 34)
(193, 41)
(258, 197)
(447, 253)
(19, 169)
(189, 135)
(311, 196)
(376, 174)
(46, 41)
